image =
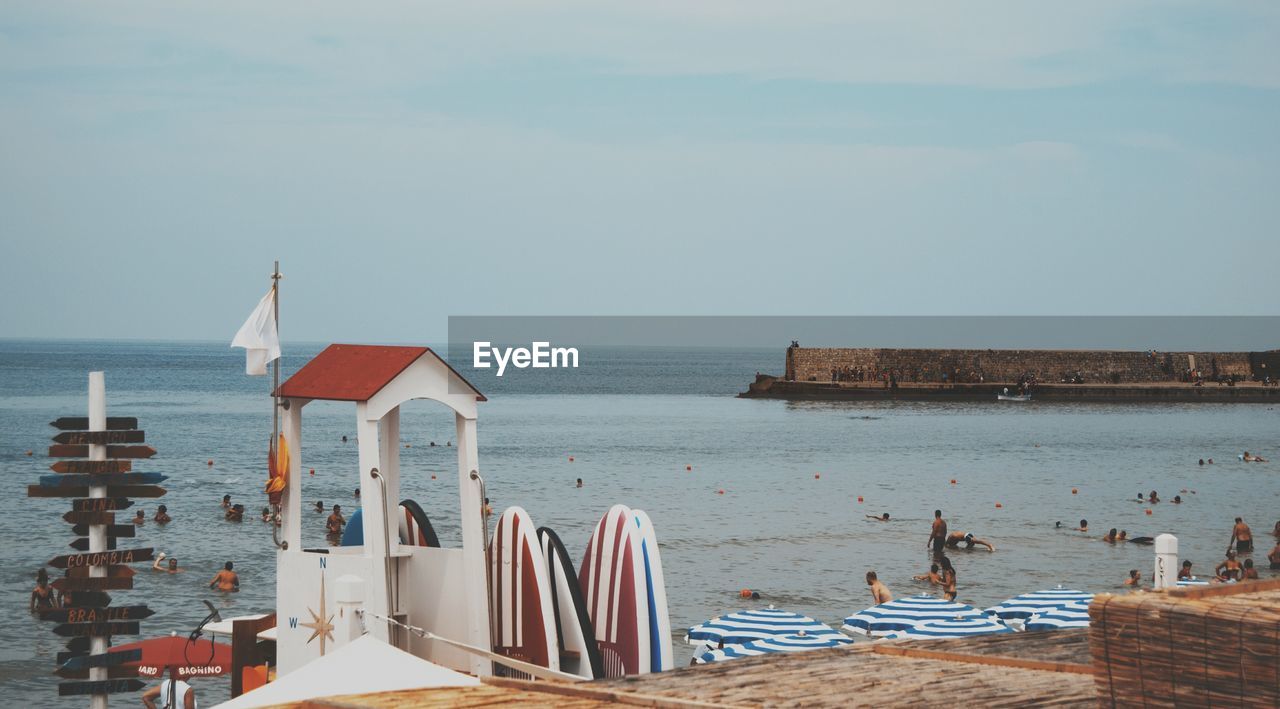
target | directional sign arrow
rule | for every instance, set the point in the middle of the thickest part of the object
(82, 544)
(97, 583)
(90, 517)
(86, 599)
(112, 672)
(68, 630)
(62, 450)
(81, 423)
(145, 491)
(81, 644)
(113, 530)
(97, 467)
(84, 662)
(106, 686)
(97, 615)
(80, 572)
(102, 558)
(100, 438)
(67, 479)
(101, 504)
(42, 491)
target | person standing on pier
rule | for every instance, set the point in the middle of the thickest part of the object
(937, 534)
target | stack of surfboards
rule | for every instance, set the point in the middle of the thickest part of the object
(609, 620)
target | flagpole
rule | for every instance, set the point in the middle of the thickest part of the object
(275, 396)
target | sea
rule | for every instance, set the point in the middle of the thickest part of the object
(770, 496)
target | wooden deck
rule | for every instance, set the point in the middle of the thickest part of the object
(1017, 670)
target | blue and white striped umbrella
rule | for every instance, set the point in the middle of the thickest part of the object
(745, 626)
(1193, 581)
(1029, 604)
(956, 628)
(909, 612)
(1072, 615)
(782, 643)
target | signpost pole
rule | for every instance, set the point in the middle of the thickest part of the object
(97, 532)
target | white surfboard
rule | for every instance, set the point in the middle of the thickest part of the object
(615, 589)
(523, 621)
(579, 652)
(661, 656)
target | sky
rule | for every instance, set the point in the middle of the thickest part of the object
(411, 161)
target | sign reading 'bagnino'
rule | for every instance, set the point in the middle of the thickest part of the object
(539, 355)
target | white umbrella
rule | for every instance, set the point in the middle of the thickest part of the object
(945, 629)
(745, 626)
(1072, 615)
(909, 612)
(1029, 604)
(782, 643)
(363, 665)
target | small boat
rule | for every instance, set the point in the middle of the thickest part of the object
(1005, 396)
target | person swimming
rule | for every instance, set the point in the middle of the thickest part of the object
(955, 539)
(319, 506)
(172, 566)
(879, 592)
(880, 518)
(1153, 498)
(1135, 578)
(140, 518)
(1110, 536)
(334, 524)
(226, 580)
(1177, 499)
(162, 515)
(1084, 526)
(932, 577)
(236, 513)
(266, 514)
(579, 482)
(1185, 571)
(1250, 573)
(42, 597)
(226, 502)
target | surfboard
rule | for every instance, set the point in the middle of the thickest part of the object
(615, 589)
(579, 652)
(523, 621)
(353, 535)
(661, 656)
(415, 528)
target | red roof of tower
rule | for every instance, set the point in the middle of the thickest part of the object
(355, 372)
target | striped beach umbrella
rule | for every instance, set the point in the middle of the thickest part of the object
(1193, 581)
(1029, 604)
(909, 612)
(954, 628)
(1072, 615)
(765, 623)
(781, 643)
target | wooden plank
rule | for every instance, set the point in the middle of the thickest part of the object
(112, 672)
(109, 659)
(86, 599)
(113, 530)
(90, 517)
(99, 438)
(102, 583)
(994, 660)
(102, 558)
(101, 504)
(82, 544)
(70, 479)
(97, 615)
(80, 572)
(144, 491)
(106, 686)
(78, 645)
(64, 657)
(68, 630)
(62, 450)
(97, 467)
(81, 423)
(42, 491)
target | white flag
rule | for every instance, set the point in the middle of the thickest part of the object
(258, 336)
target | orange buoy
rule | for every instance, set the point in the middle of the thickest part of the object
(1074, 491)
(313, 471)
(720, 492)
(859, 498)
(570, 459)
(953, 481)
(210, 463)
(433, 477)
(817, 476)
(28, 454)
(744, 593)
(1148, 511)
(688, 467)
(998, 505)
(408, 445)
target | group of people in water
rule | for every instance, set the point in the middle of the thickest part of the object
(942, 573)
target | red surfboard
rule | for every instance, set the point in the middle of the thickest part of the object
(614, 587)
(524, 621)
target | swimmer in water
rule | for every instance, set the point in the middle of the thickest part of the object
(226, 580)
(319, 506)
(879, 592)
(162, 515)
(487, 509)
(334, 524)
(140, 518)
(1250, 573)
(1229, 569)
(42, 598)
(236, 513)
(1124, 536)
(1110, 536)
(226, 502)
(955, 539)
(1135, 578)
(171, 567)
(1084, 526)
(1185, 572)
(882, 518)
(1153, 498)
(579, 482)
(1141, 498)
(932, 577)
(357, 493)
(948, 576)
(1177, 499)
(266, 514)
(1241, 537)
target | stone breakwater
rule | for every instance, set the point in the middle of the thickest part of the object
(1058, 375)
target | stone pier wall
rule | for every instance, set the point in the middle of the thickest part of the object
(932, 365)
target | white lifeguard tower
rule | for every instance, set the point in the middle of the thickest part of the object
(449, 589)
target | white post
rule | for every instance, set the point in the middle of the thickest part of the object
(375, 517)
(473, 551)
(1166, 575)
(97, 532)
(291, 500)
(349, 592)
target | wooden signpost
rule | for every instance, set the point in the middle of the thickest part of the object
(100, 478)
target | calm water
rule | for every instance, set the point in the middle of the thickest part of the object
(804, 543)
